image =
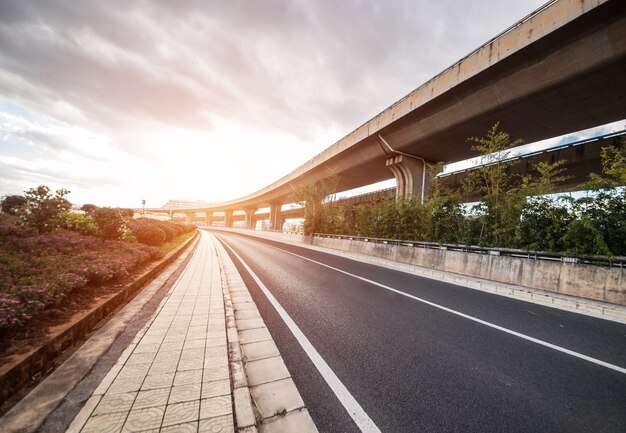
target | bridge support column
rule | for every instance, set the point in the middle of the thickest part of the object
(411, 176)
(276, 222)
(188, 218)
(208, 218)
(250, 220)
(228, 218)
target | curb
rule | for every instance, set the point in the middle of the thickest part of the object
(19, 374)
(265, 398)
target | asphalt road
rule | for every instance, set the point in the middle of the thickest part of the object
(414, 367)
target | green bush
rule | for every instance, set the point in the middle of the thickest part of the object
(111, 222)
(147, 233)
(83, 224)
(155, 232)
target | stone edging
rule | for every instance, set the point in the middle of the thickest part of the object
(265, 398)
(18, 374)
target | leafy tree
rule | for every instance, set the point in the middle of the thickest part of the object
(544, 178)
(613, 169)
(83, 224)
(614, 163)
(493, 182)
(43, 208)
(13, 204)
(128, 213)
(444, 220)
(319, 208)
(88, 208)
(544, 223)
(365, 220)
(583, 237)
(111, 223)
(605, 210)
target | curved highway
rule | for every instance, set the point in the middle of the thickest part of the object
(419, 355)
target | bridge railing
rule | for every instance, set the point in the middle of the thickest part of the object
(598, 260)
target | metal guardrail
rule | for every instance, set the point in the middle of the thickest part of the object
(611, 261)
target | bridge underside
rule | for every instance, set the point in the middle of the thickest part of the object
(567, 81)
(560, 71)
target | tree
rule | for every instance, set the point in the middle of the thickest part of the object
(445, 221)
(111, 223)
(83, 224)
(614, 164)
(613, 169)
(43, 208)
(318, 202)
(583, 237)
(13, 204)
(499, 209)
(88, 208)
(544, 223)
(605, 211)
(544, 179)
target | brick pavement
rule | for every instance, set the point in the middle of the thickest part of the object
(174, 376)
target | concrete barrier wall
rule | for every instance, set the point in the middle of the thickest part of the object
(585, 281)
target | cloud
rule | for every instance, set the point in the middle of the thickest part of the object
(109, 78)
(273, 63)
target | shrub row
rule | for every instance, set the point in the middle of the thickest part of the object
(156, 232)
(39, 271)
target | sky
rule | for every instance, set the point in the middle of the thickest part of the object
(124, 101)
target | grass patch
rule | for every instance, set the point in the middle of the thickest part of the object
(169, 246)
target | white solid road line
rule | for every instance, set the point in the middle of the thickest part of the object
(362, 420)
(466, 316)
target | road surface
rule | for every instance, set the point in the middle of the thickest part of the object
(419, 355)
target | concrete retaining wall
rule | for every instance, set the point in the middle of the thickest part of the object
(586, 281)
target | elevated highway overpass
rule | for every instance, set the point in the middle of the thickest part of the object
(579, 157)
(558, 70)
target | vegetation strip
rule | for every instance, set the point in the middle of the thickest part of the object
(19, 374)
(492, 206)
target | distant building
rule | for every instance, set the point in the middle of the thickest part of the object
(184, 204)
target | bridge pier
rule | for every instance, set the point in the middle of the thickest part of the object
(228, 218)
(276, 222)
(411, 176)
(250, 219)
(208, 218)
(188, 217)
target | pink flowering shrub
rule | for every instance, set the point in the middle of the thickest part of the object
(39, 271)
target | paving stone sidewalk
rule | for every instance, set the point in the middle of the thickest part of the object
(175, 374)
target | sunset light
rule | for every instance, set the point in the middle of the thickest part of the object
(312, 216)
(207, 101)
